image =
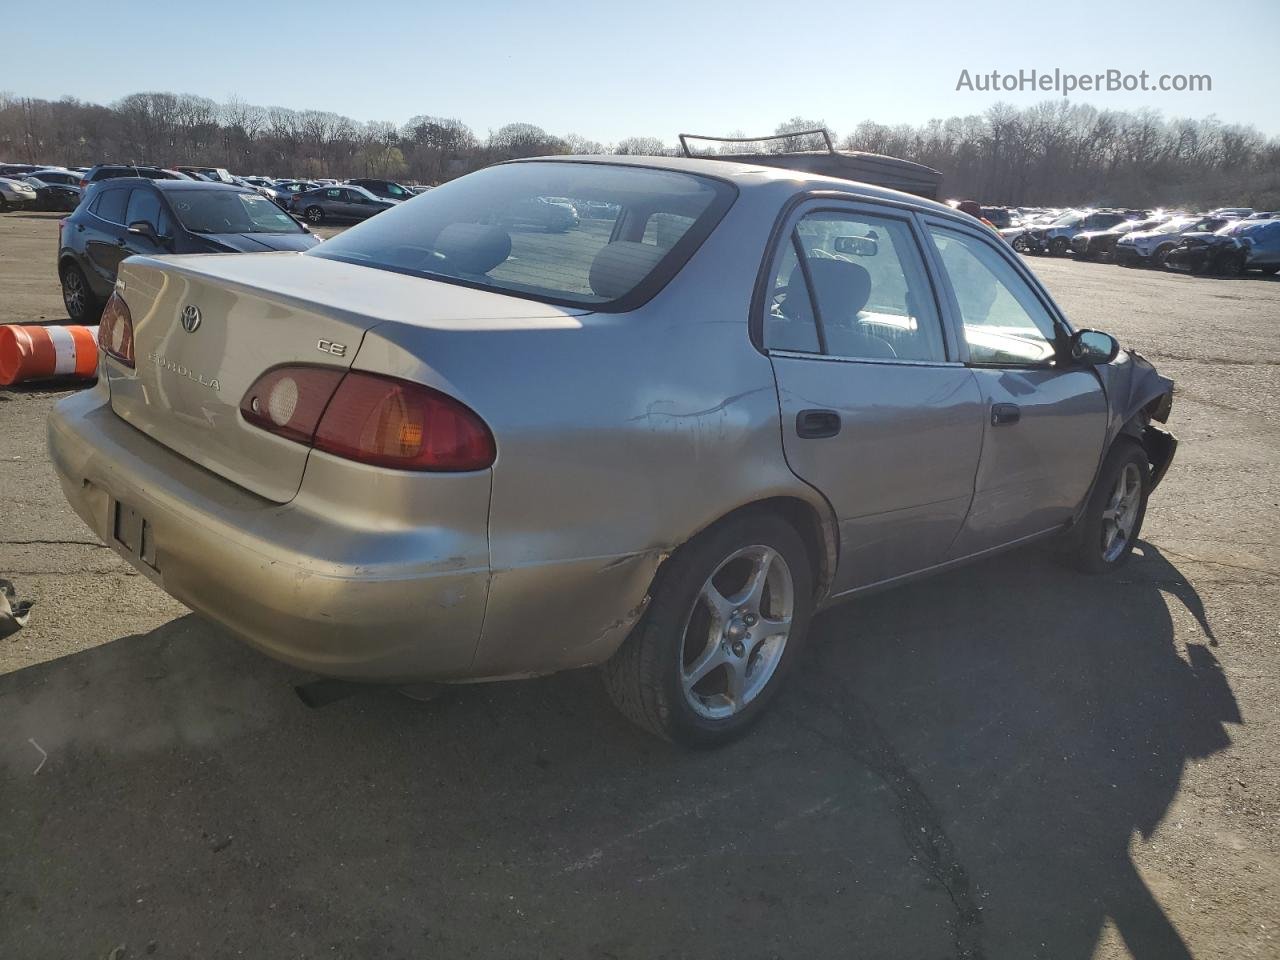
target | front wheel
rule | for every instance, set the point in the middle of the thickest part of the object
(1103, 539)
(728, 614)
(1161, 255)
(1021, 244)
(314, 215)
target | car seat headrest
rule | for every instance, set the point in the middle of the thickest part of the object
(474, 247)
(620, 265)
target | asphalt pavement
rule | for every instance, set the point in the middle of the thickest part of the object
(1011, 760)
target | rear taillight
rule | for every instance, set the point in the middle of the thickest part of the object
(115, 330)
(289, 400)
(83, 183)
(370, 418)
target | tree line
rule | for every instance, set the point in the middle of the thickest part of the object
(1054, 153)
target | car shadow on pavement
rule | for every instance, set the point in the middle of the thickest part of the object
(958, 768)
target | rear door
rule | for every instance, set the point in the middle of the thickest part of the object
(877, 411)
(1044, 421)
(104, 242)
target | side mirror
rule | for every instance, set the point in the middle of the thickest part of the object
(141, 228)
(1093, 347)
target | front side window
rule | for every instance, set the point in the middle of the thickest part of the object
(496, 230)
(144, 205)
(1005, 324)
(853, 285)
(218, 210)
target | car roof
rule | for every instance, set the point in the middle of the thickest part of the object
(756, 176)
(170, 185)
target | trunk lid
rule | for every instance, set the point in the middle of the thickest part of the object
(258, 311)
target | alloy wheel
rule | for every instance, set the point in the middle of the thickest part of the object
(73, 292)
(736, 632)
(1121, 512)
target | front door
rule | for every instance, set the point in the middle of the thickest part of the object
(1045, 421)
(877, 413)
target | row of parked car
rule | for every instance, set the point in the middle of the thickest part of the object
(61, 188)
(1228, 240)
(38, 188)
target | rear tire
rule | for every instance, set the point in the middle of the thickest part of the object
(710, 653)
(1059, 247)
(1103, 539)
(78, 297)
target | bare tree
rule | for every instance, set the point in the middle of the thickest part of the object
(1053, 153)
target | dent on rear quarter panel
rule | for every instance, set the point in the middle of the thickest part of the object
(619, 437)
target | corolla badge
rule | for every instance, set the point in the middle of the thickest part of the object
(182, 370)
(191, 318)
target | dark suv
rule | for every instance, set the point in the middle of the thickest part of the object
(385, 189)
(112, 171)
(136, 215)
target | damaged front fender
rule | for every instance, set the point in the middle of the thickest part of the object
(1138, 394)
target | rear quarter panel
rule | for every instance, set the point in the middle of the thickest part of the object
(619, 436)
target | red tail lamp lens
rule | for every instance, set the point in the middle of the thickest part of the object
(370, 418)
(393, 423)
(115, 330)
(288, 401)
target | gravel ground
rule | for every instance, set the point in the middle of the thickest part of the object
(1009, 760)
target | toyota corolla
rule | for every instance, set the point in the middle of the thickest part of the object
(446, 446)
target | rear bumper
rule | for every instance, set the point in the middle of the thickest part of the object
(322, 582)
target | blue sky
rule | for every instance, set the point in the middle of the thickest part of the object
(610, 69)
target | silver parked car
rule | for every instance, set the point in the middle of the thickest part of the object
(433, 448)
(16, 193)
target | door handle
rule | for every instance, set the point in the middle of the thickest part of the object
(817, 424)
(1005, 413)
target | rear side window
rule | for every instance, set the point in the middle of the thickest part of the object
(144, 204)
(111, 205)
(517, 228)
(853, 285)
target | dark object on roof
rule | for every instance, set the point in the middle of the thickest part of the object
(873, 168)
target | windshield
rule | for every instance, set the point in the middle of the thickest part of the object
(230, 211)
(1068, 220)
(495, 229)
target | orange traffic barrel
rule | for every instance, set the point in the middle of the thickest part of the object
(38, 353)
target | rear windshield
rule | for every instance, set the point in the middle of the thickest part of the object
(581, 234)
(230, 211)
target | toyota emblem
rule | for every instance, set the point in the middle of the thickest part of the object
(190, 318)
